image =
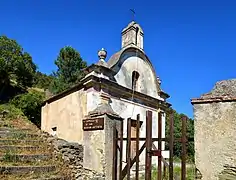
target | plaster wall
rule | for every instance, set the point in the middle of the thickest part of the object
(93, 99)
(128, 63)
(66, 115)
(128, 38)
(127, 109)
(215, 137)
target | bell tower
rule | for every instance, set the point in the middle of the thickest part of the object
(132, 35)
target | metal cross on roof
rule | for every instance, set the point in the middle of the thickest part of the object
(133, 13)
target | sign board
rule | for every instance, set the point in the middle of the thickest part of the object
(93, 124)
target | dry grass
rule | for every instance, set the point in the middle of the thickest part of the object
(32, 176)
(20, 137)
(21, 142)
(42, 150)
(20, 124)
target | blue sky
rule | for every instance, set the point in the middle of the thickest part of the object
(192, 44)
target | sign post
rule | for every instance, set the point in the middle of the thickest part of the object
(93, 124)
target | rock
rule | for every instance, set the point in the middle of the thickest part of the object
(229, 173)
(71, 153)
(222, 88)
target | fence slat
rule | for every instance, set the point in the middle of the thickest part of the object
(128, 147)
(183, 161)
(148, 145)
(156, 139)
(121, 150)
(115, 136)
(137, 146)
(171, 146)
(124, 171)
(159, 144)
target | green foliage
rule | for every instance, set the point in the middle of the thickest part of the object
(16, 67)
(190, 173)
(178, 134)
(70, 64)
(10, 156)
(13, 112)
(19, 135)
(42, 80)
(30, 104)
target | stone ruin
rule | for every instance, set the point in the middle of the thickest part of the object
(215, 132)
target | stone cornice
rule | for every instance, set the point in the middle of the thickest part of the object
(212, 100)
(114, 89)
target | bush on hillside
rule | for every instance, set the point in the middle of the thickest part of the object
(30, 104)
(13, 112)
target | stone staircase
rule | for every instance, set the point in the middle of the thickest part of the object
(24, 154)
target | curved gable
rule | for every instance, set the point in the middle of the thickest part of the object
(129, 62)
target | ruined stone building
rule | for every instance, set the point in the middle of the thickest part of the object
(215, 132)
(122, 87)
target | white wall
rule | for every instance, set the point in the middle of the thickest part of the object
(127, 109)
(128, 63)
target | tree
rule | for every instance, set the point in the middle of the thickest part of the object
(178, 133)
(70, 64)
(16, 67)
(42, 80)
(30, 104)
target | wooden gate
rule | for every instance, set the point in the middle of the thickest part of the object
(120, 172)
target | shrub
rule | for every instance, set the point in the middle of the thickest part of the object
(30, 104)
(13, 112)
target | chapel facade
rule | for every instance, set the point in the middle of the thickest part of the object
(124, 86)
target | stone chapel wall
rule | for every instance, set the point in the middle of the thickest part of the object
(66, 114)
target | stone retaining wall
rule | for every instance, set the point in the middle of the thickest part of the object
(72, 155)
(69, 153)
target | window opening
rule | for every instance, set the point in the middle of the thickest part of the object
(136, 36)
(135, 76)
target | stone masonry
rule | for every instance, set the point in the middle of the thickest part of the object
(215, 132)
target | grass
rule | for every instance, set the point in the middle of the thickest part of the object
(21, 142)
(10, 156)
(190, 174)
(31, 176)
(43, 149)
(19, 136)
(15, 162)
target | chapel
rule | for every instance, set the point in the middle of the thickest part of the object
(122, 86)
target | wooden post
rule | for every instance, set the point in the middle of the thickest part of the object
(137, 146)
(121, 150)
(171, 146)
(184, 150)
(148, 159)
(115, 136)
(159, 145)
(128, 147)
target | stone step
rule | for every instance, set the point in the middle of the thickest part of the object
(55, 178)
(28, 157)
(18, 135)
(26, 169)
(17, 141)
(45, 176)
(4, 124)
(14, 147)
(14, 129)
